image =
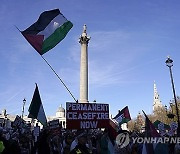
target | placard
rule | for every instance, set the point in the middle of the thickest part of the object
(54, 124)
(86, 115)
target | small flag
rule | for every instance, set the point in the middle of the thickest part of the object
(36, 110)
(123, 116)
(47, 31)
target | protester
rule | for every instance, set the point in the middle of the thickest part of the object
(67, 143)
(177, 148)
(104, 143)
(81, 147)
(55, 144)
(11, 147)
(1, 146)
(96, 141)
(42, 145)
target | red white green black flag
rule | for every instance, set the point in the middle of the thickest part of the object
(123, 116)
(51, 28)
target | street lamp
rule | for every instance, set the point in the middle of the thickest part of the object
(24, 101)
(169, 63)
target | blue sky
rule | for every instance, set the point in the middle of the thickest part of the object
(130, 41)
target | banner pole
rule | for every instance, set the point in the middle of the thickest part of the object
(59, 78)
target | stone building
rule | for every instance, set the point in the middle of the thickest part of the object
(6, 120)
(60, 115)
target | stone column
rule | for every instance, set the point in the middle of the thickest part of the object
(83, 40)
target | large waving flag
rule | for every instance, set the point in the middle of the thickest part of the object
(123, 116)
(36, 110)
(47, 31)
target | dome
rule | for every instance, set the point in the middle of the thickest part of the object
(60, 112)
(61, 109)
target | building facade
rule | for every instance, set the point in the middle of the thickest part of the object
(6, 120)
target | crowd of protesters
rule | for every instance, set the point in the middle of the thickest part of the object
(19, 141)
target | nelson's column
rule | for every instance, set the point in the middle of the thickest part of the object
(83, 40)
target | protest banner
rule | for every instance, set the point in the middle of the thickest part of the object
(54, 127)
(86, 115)
(53, 124)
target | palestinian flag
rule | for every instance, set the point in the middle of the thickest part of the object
(36, 110)
(150, 130)
(123, 116)
(153, 148)
(47, 31)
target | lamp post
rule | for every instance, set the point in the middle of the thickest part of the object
(169, 63)
(24, 101)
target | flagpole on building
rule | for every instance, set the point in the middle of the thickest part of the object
(59, 78)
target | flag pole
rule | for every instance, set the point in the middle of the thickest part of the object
(59, 78)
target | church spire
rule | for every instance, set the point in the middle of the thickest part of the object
(156, 103)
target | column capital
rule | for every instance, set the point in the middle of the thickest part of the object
(84, 39)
